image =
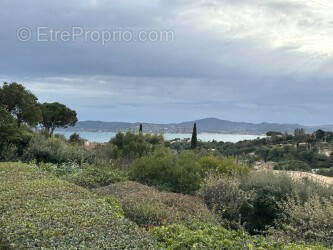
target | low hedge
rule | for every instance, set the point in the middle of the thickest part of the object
(149, 207)
(41, 211)
(203, 236)
(91, 176)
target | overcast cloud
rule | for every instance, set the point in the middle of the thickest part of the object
(241, 60)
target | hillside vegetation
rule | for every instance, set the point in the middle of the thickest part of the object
(41, 211)
(138, 191)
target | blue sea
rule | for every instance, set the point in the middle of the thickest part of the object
(106, 136)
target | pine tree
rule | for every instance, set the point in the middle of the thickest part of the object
(194, 140)
(140, 129)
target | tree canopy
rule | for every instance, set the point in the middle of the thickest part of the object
(57, 115)
(20, 103)
(8, 128)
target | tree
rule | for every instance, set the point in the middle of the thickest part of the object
(9, 131)
(140, 129)
(194, 139)
(320, 134)
(20, 103)
(57, 115)
(299, 132)
(76, 139)
(273, 133)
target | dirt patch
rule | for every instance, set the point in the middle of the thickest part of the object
(315, 177)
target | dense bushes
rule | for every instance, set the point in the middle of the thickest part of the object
(90, 176)
(223, 196)
(13, 139)
(45, 212)
(181, 172)
(311, 221)
(54, 150)
(293, 165)
(267, 190)
(85, 175)
(253, 201)
(219, 165)
(203, 236)
(149, 207)
(173, 172)
(130, 145)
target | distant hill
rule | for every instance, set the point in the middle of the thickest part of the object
(209, 125)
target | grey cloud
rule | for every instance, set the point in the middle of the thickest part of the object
(213, 68)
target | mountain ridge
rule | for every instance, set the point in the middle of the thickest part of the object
(208, 125)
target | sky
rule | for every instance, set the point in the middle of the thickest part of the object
(240, 60)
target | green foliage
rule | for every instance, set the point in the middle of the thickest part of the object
(274, 133)
(54, 150)
(268, 190)
(13, 139)
(275, 148)
(320, 134)
(85, 175)
(149, 207)
(223, 196)
(182, 172)
(43, 212)
(253, 201)
(76, 139)
(225, 166)
(57, 115)
(326, 172)
(194, 139)
(91, 176)
(59, 170)
(9, 132)
(311, 221)
(299, 132)
(293, 165)
(21, 103)
(203, 236)
(177, 173)
(130, 145)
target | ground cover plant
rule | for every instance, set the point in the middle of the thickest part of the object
(203, 236)
(42, 211)
(149, 207)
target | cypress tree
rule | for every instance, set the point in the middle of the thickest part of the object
(194, 140)
(140, 129)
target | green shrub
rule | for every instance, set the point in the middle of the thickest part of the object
(167, 170)
(203, 236)
(76, 139)
(253, 201)
(224, 196)
(131, 146)
(149, 207)
(39, 211)
(311, 221)
(85, 175)
(293, 165)
(267, 190)
(326, 172)
(54, 150)
(91, 176)
(225, 166)
(59, 170)
(13, 139)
